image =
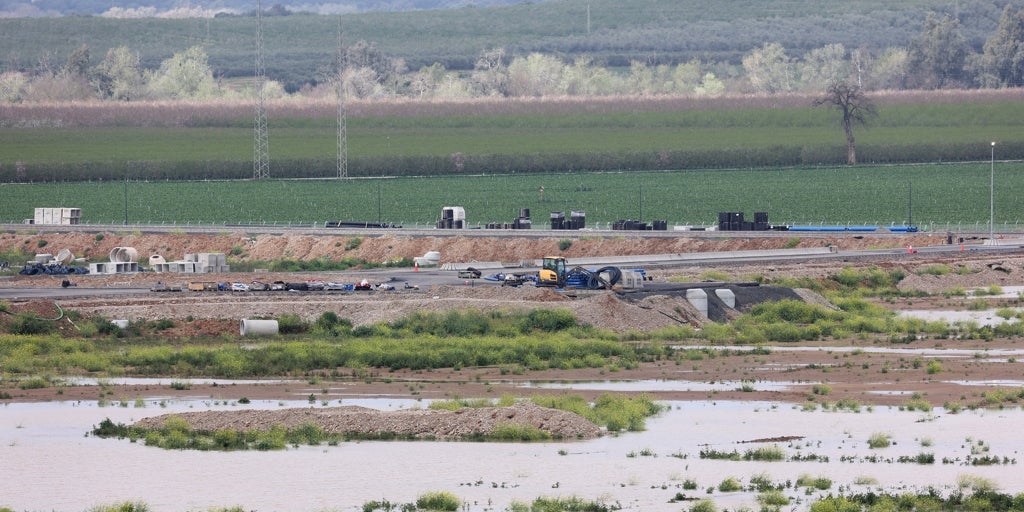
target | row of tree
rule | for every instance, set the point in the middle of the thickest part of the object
(938, 57)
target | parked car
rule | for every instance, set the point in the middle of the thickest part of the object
(239, 287)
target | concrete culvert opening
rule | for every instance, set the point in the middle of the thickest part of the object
(258, 327)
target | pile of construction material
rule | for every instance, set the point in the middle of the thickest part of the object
(201, 263)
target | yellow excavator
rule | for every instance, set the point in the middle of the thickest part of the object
(555, 272)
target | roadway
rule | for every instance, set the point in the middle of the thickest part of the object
(426, 277)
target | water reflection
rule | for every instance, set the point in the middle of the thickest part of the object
(653, 385)
(50, 465)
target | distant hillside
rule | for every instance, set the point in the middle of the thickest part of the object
(25, 8)
(610, 32)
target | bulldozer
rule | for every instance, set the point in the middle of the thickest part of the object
(555, 272)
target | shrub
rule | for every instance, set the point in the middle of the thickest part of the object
(128, 506)
(933, 367)
(879, 440)
(291, 323)
(163, 324)
(550, 320)
(518, 432)
(730, 484)
(353, 243)
(34, 383)
(99, 237)
(765, 453)
(564, 244)
(41, 243)
(772, 499)
(443, 500)
(704, 505)
(29, 323)
(821, 483)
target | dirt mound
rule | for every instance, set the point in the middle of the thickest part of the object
(410, 423)
(454, 249)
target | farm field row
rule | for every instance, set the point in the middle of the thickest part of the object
(215, 142)
(936, 196)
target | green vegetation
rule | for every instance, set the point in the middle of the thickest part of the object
(879, 440)
(127, 506)
(730, 484)
(441, 501)
(316, 265)
(821, 483)
(771, 453)
(615, 412)
(864, 195)
(975, 494)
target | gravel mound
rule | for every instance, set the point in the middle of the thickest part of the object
(411, 423)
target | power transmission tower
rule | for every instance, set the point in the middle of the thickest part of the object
(261, 147)
(342, 109)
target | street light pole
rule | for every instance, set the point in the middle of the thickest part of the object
(992, 194)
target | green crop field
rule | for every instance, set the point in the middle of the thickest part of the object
(304, 145)
(942, 196)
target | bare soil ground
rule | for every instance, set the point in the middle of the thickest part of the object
(852, 368)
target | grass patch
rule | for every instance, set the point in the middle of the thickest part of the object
(879, 440)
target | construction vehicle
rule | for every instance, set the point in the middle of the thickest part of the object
(555, 272)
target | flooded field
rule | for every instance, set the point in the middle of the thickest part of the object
(51, 464)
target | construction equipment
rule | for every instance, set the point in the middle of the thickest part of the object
(555, 272)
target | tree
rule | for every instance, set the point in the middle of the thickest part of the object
(855, 106)
(937, 56)
(119, 75)
(825, 65)
(186, 75)
(490, 75)
(536, 75)
(768, 69)
(77, 65)
(1002, 61)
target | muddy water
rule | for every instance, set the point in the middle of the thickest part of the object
(49, 464)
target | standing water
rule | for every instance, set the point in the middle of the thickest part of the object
(49, 463)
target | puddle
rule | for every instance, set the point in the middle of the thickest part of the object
(143, 381)
(1007, 292)
(640, 386)
(986, 317)
(1006, 383)
(60, 469)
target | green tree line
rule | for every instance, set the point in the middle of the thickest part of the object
(654, 49)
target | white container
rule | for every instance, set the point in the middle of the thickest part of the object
(258, 327)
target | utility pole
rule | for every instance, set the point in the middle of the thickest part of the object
(992, 195)
(342, 110)
(261, 146)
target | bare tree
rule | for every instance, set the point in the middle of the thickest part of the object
(856, 108)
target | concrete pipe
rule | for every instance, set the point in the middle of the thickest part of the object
(727, 296)
(64, 257)
(699, 299)
(124, 254)
(258, 327)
